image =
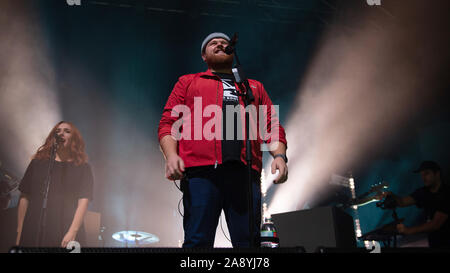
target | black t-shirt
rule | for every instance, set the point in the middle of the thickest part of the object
(69, 183)
(231, 148)
(431, 203)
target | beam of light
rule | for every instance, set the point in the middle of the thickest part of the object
(28, 103)
(363, 85)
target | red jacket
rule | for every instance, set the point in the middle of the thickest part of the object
(209, 87)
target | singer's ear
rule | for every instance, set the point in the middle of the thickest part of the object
(204, 56)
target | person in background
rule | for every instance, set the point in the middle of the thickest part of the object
(70, 191)
(434, 199)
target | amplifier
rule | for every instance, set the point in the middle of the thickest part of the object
(328, 227)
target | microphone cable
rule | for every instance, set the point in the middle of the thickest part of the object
(179, 210)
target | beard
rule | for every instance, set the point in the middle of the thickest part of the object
(219, 61)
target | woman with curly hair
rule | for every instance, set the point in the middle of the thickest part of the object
(69, 192)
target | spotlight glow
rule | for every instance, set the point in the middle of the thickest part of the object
(363, 85)
(28, 104)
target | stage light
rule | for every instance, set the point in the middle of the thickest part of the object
(135, 238)
(28, 102)
(364, 85)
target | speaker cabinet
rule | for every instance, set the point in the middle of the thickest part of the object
(318, 227)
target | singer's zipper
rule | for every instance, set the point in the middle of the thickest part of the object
(215, 140)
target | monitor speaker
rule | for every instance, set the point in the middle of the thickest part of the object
(328, 227)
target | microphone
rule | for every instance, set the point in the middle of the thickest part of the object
(231, 47)
(58, 139)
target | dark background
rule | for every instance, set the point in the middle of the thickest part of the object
(115, 63)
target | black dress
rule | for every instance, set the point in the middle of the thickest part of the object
(68, 184)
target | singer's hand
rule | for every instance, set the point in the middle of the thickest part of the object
(280, 165)
(174, 167)
(70, 236)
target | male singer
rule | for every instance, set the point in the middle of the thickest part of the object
(213, 169)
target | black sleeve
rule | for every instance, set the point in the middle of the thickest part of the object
(86, 183)
(27, 180)
(443, 203)
(418, 196)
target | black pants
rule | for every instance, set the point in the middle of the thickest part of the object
(208, 191)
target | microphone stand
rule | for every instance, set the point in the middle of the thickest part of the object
(397, 221)
(390, 203)
(248, 97)
(43, 215)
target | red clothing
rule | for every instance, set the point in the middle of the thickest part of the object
(209, 87)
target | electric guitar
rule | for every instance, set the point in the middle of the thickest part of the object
(8, 184)
(371, 195)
